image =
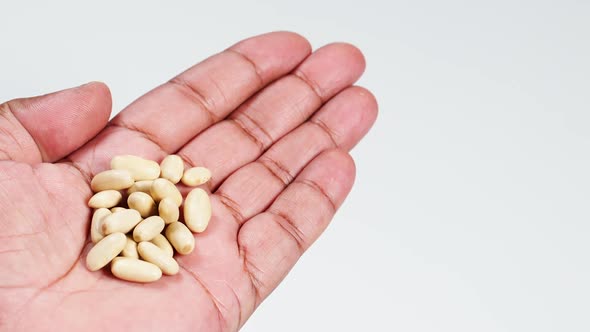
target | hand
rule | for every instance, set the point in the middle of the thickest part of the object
(273, 124)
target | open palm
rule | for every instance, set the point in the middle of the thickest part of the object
(273, 124)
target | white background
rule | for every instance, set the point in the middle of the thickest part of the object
(471, 208)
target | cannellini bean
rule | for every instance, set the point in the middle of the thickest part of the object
(132, 269)
(130, 249)
(162, 188)
(143, 186)
(180, 237)
(151, 253)
(142, 203)
(172, 168)
(96, 224)
(140, 168)
(117, 209)
(115, 179)
(196, 176)
(105, 250)
(122, 221)
(168, 210)
(148, 229)
(197, 210)
(105, 199)
(162, 243)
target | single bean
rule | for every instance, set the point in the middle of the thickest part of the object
(151, 253)
(122, 221)
(196, 176)
(172, 168)
(197, 210)
(105, 250)
(140, 168)
(162, 188)
(180, 237)
(132, 269)
(115, 179)
(142, 203)
(148, 229)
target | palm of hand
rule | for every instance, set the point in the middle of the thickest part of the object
(277, 181)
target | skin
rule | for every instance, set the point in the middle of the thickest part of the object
(271, 120)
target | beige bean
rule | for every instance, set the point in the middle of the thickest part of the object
(151, 253)
(180, 237)
(162, 188)
(172, 168)
(162, 243)
(148, 229)
(105, 199)
(130, 249)
(168, 210)
(143, 186)
(131, 269)
(197, 210)
(122, 221)
(140, 168)
(115, 179)
(105, 250)
(142, 203)
(196, 176)
(117, 209)
(96, 224)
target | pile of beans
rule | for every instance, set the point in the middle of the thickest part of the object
(139, 239)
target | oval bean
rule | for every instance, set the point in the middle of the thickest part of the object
(105, 250)
(132, 269)
(140, 168)
(197, 210)
(115, 179)
(172, 168)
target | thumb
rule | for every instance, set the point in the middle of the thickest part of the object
(49, 127)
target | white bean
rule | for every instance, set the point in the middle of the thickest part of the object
(151, 253)
(105, 250)
(115, 179)
(172, 168)
(122, 221)
(132, 269)
(162, 188)
(105, 199)
(142, 203)
(148, 229)
(162, 243)
(130, 249)
(140, 168)
(168, 210)
(196, 176)
(180, 237)
(96, 224)
(197, 210)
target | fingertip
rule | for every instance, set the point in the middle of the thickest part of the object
(332, 68)
(70, 118)
(98, 88)
(274, 52)
(349, 116)
(281, 37)
(99, 99)
(294, 37)
(353, 56)
(366, 101)
(351, 51)
(345, 166)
